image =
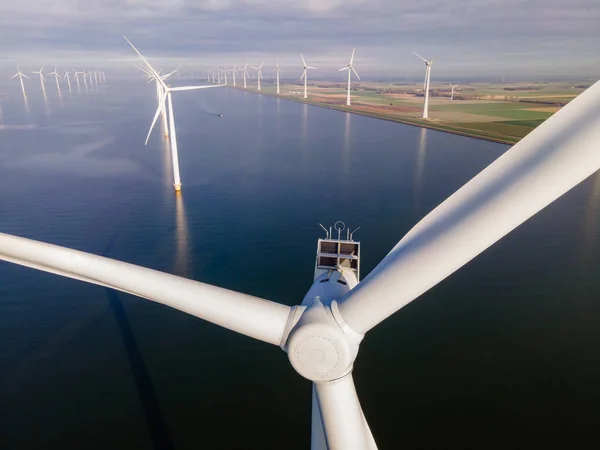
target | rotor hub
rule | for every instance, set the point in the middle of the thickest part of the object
(319, 348)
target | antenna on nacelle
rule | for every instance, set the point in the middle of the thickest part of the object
(339, 226)
(326, 232)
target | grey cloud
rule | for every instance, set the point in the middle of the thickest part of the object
(462, 33)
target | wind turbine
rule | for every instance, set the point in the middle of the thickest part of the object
(76, 75)
(21, 75)
(68, 80)
(350, 68)
(166, 97)
(41, 74)
(234, 73)
(277, 71)
(452, 93)
(218, 74)
(224, 70)
(245, 73)
(56, 77)
(305, 75)
(258, 74)
(322, 335)
(426, 85)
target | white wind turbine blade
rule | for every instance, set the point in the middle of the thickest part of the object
(424, 60)
(310, 67)
(251, 316)
(548, 162)
(303, 75)
(25, 76)
(352, 58)
(261, 65)
(355, 72)
(161, 104)
(148, 65)
(15, 75)
(343, 420)
(344, 68)
(303, 62)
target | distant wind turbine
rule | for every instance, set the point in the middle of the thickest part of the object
(166, 97)
(277, 71)
(56, 77)
(68, 80)
(234, 73)
(258, 74)
(225, 73)
(305, 75)
(426, 86)
(452, 94)
(20, 75)
(245, 72)
(41, 74)
(76, 75)
(350, 68)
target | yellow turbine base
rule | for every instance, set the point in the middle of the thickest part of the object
(177, 187)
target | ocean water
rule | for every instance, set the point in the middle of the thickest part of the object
(502, 353)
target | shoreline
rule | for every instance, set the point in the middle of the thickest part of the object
(406, 121)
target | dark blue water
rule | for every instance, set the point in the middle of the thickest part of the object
(503, 353)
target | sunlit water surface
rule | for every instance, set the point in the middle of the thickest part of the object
(503, 353)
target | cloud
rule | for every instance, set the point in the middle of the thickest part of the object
(548, 34)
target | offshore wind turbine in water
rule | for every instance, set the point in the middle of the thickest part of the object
(322, 334)
(21, 75)
(41, 74)
(166, 97)
(426, 85)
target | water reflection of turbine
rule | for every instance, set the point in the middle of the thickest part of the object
(421, 152)
(346, 146)
(181, 266)
(305, 122)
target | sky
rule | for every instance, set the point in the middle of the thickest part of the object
(462, 37)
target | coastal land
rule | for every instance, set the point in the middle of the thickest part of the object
(497, 112)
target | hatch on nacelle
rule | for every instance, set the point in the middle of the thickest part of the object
(337, 254)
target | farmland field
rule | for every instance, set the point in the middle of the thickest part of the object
(504, 113)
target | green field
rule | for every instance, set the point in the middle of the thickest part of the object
(487, 111)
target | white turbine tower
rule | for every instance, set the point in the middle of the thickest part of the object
(56, 77)
(322, 334)
(426, 85)
(82, 73)
(258, 74)
(225, 73)
(21, 75)
(350, 68)
(68, 80)
(76, 75)
(245, 73)
(452, 93)
(277, 72)
(41, 74)
(305, 75)
(166, 97)
(233, 73)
